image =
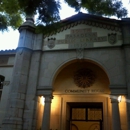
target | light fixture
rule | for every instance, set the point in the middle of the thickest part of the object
(42, 100)
(119, 98)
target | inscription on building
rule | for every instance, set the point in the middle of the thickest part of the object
(85, 38)
(77, 91)
(81, 38)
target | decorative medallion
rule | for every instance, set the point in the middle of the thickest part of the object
(112, 38)
(51, 42)
(84, 77)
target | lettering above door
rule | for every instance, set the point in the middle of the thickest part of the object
(79, 91)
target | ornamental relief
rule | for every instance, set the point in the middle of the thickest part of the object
(112, 38)
(83, 38)
(51, 42)
(84, 78)
(89, 23)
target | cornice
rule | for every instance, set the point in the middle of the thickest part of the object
(94, 23)
(8, 52)
(88, 19)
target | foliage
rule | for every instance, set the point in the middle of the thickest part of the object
(12, 12)
(47, 10)
(51, 28)
(100, 7)
(3, 23)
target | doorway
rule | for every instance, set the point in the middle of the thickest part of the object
(84, 116)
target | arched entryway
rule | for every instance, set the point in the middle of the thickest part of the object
(81, 91)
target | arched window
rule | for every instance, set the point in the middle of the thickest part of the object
(2, 78)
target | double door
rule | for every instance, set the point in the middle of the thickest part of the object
(84, 116)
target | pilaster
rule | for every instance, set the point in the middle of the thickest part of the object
(126, 30)
(47, 113)
(31, 100)
(47, 94)
(116, 124)
(126, 45)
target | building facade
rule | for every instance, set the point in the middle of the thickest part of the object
(69, 79)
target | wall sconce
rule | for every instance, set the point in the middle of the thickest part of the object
(42, 100)
(119, 98)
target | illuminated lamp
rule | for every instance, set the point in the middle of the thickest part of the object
(119, 98)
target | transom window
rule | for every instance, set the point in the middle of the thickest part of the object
(87, 112)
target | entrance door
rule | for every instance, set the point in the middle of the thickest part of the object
(85, 116)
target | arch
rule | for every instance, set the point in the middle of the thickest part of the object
(93, 75)
(72, 60)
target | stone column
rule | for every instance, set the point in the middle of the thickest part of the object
(31, 99)
(47, 112)
(16, 101)
(116, 125)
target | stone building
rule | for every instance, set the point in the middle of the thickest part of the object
(69, 79)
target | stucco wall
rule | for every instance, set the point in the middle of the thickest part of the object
(7, 73)
(110, 59)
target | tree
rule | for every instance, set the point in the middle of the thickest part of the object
(12, 12)
(100, 7)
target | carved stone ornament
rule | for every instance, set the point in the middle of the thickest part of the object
(6, 83)
(80, 53)
(112, 38)
(51, 42)
(84, 77)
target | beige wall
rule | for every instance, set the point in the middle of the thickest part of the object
(123, 113)
(6, 68)
(7, 73)
(56, 110)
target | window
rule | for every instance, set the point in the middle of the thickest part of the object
(78, 113)
(1, 84)
(94, 114)
(86, 112)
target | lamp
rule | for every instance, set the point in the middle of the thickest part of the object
(42, 100)
(119, 98)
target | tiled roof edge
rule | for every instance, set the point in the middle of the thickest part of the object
(7, 51)
(88, 19)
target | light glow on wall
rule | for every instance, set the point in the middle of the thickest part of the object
(55, 105)
(123, 112)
